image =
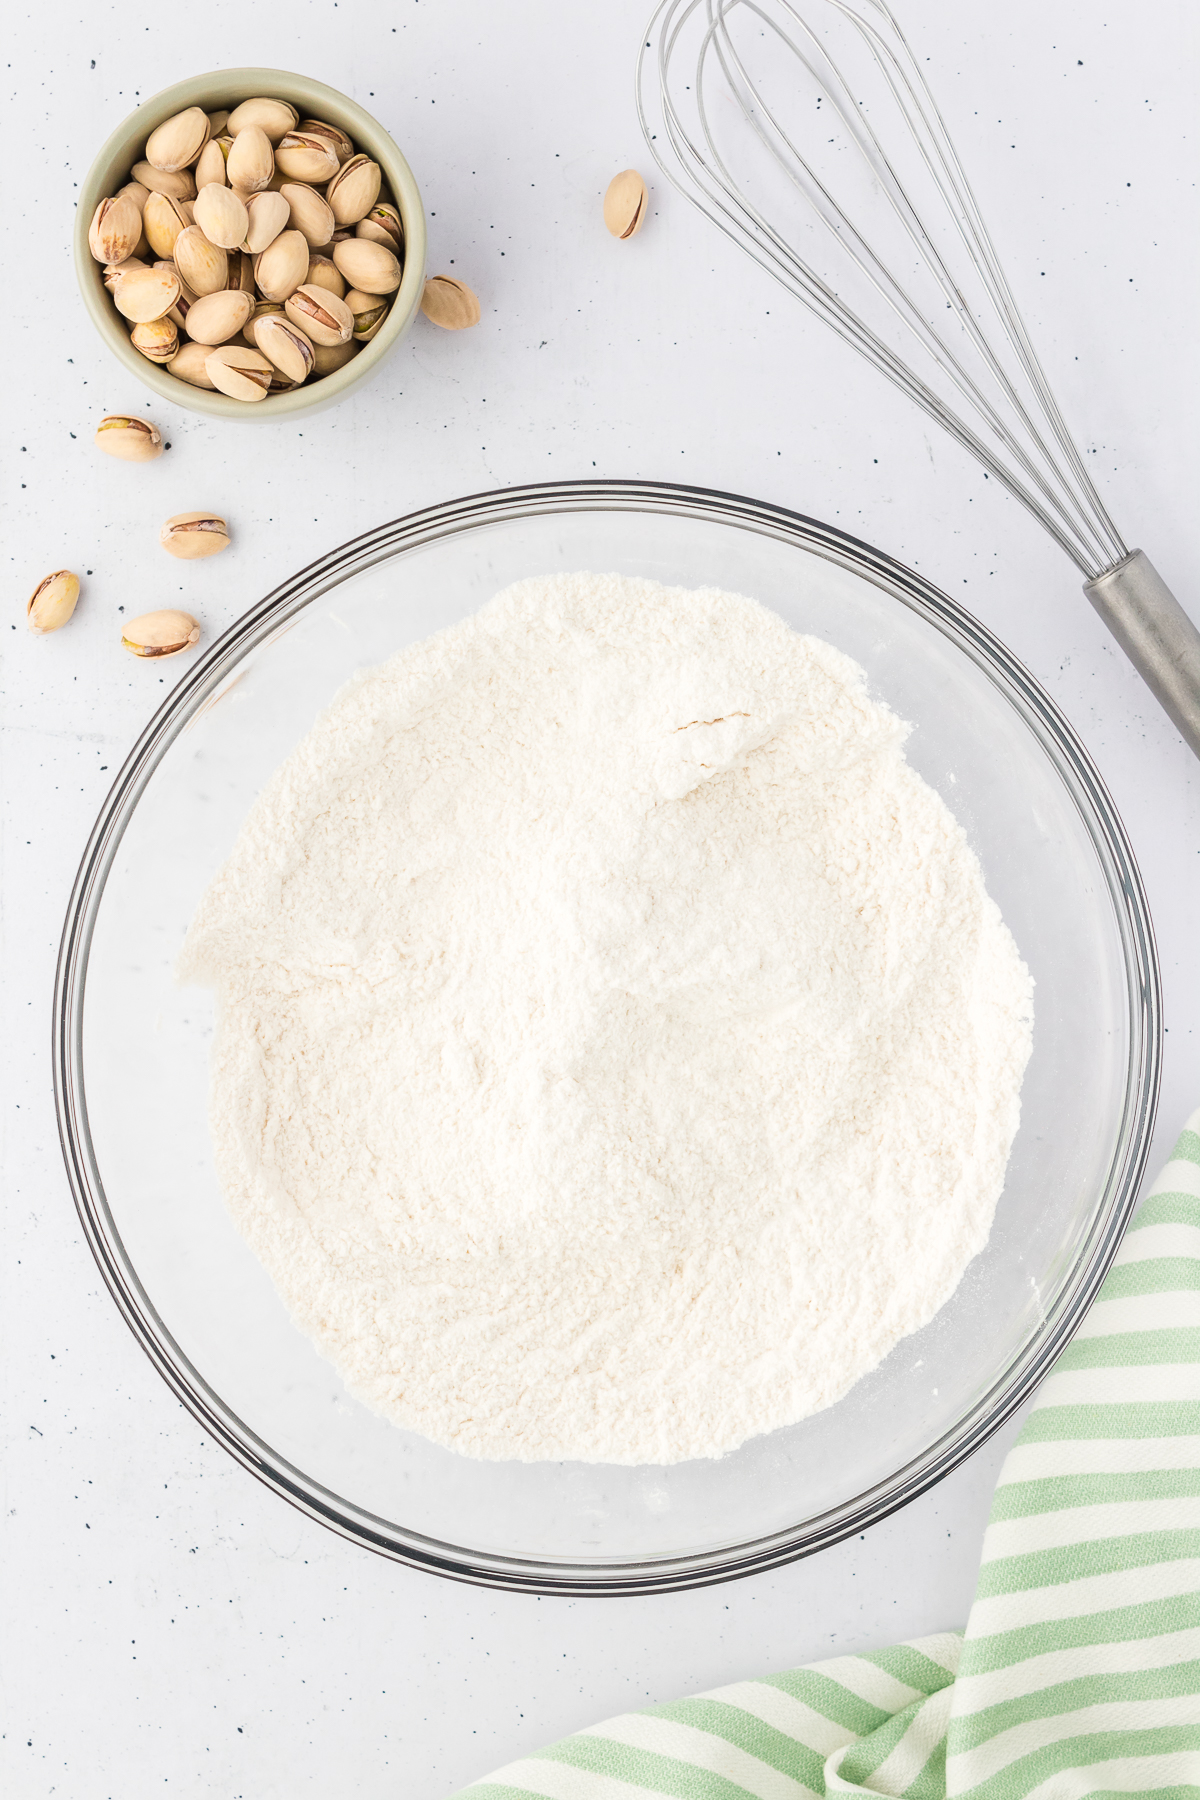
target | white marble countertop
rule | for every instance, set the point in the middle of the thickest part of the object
(173, 1628)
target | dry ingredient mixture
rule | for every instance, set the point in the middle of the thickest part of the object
(617, 1048)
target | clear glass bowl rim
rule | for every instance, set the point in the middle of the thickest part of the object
(1014, 1383)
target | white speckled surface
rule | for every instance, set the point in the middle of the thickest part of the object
(171, 1627)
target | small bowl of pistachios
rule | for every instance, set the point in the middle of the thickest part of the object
(251, 244)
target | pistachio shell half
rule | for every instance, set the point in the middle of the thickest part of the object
(188, 364)
(311, 212)
(215, 318)
(164, 218)
(251, 160)
(305, 157)
(146, 294)
(157, 339)
(370, 310)
(132, 440)
(221, 216)
(204, 266)
(266, 215)
(449, 303)
(625, 204)
(321, 316)
(239, 371)
(354, 190)
(273, 117)
(52, 602)
(115, 229)
(178, 184)
(160, 634)
(282, 266)
(191, 535)
(371, 267)
(177, 142)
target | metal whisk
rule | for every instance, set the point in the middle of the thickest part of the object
(786, 122)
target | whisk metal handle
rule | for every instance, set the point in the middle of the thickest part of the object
(1156, 635)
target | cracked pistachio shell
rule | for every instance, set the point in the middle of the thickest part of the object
(157, 339)
(239, 371)
(266, 216)
(329, 358)
(178, 184)
(337, 140)
(321, 316)
(272, 117)
(177, 142)
(289, 348)
(215, 318)
(324, 272)
(188, 365)
(52, 602)
(251, 161)
(221, 216)
(191, 535)
(204, 266)
(133, 190)
(370, 310)
(449, 303)
(210, 166)
(115, 229)
(354, 190)
(131, 440)
(161, 633)
(241, 273)
(114, 271)
(164, 219)
(282, 266)
(311, 212)
(625, 204)
(371, 267)
(304, 157)
(146, 294)
(186, 300)
(383, 225)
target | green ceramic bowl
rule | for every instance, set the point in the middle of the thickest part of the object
(313, 100)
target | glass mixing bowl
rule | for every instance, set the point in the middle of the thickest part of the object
(132, 1049)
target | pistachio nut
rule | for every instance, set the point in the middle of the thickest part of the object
(321, 316)
(265, 309)
(368, 266)
(188, 365)
(354, 190)
(324, 272)
(191, 535)
(266, 215)
(274, 117)
(221, 216)
(311, 212)
(133, 190)
(241, 273)
(239, 371)
(449, 303)
(215, 318)
(251, 161)
(625, 204)
(329, 358)
(177, 142)
(115, 229)
(187, 299)
(383, 225)
(52, 602)
(164, 219)
(204, 266)
(289, 348)
(218, 122)
(305, 157)
(132, 440)
(370, 310)
(146, 294)
(282, 266)
(210, 165)
(177, 183)
(161, 633)
(114, 271)
(337, 140)
(280, 383)
(157, 339)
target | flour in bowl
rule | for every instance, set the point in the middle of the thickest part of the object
(617, 1048)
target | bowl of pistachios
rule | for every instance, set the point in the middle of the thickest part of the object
(251, 244)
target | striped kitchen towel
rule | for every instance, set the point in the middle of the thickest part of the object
(1079, 1672)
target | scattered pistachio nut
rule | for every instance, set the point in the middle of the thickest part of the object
(267, 214)
(52, 602)
(215, 318)
(282, 266)
(239, 371)
(251, 161)
(221, 216)
(383, 225)
(204, 266)
(302, 156)
(324, 272)
(115, 229)
(449, 303)
(132, 440)
(321, 316)
(275, 118)
(625, 204)
(177, 142)
(354, 189)
(370, 310)
(146, 294)
(311, 212)
(157, 339)
(188, 364)
(289, 348)
(159, 634)
(371, 267)
(191, 535)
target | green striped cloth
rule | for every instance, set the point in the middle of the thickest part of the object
(1079, 1672)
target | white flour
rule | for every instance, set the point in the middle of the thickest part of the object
(617, 1048)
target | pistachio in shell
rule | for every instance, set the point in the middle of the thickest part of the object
(157, 339)
(371, 267)
(303, 156)
(164, 218)
(289, 348)
(188, 364)
(115, 229)
(370, 310)
(178, 141)
(204, 266)
(210, 165)
(329, 358)
(178, 184)
(383, 225)
(354, 190)
(324, 272)
(129, 439)
(272, 117)
(282, 266)
(449, 303)
(218, 121)
(192, 535)
(265, 309)
(160, 634)
(215, 318)
(267, 214)
(311, 212)
(321, 316)
(337, 140)
(52, 602)
(221, 216)
(251, 161)
(146, 294)
(114, 271)
(186, 300)
(239, 371)
(133, 190)
(625, 204)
